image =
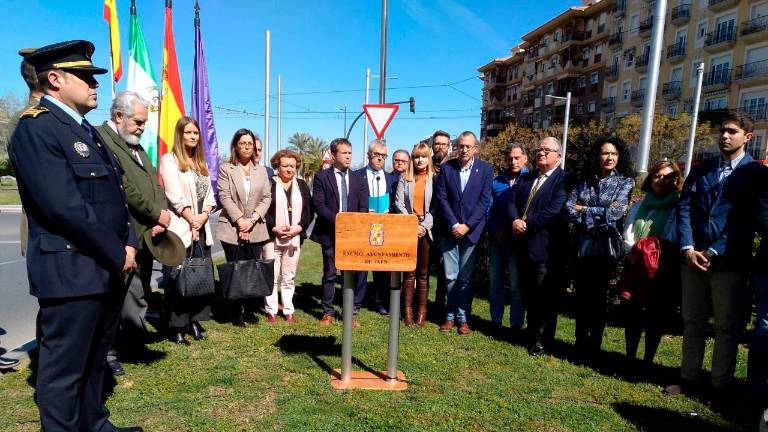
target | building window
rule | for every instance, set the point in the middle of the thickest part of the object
(591, 107)
(582, 82)
(594, 77)
(550, 88)
(629, 60)
(671, 110)
(579, 109)
(634, 23)
(701, 33)
(626, 90)
(557, 36)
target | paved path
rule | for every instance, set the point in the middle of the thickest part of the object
(17, 308)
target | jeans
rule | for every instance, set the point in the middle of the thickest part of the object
(459, 257)
(757, 368)
(502, 264)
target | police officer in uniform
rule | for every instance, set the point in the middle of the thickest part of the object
(81, 242)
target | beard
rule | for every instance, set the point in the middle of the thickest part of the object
(128, 137)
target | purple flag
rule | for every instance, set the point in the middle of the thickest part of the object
(202, 110)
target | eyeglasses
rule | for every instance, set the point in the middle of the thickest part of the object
(546, 151)
(465, 146)
(403, 161)
(662, 177)
(244, 144)
(376, 154)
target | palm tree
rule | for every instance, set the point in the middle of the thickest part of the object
(311, 150)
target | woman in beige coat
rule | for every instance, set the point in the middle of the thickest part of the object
(245, 196)
(187, 184)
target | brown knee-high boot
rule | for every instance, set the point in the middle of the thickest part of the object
(422, 292)
(408, 288)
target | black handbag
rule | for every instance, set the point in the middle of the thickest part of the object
(194, 278)
(250, 278)
(602, 241)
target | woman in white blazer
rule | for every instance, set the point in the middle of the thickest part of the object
(245, 195)
(187, 184)
(414, 196)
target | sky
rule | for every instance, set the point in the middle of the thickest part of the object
(320, 48)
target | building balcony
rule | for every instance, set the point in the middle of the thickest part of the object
(612, 72)
(752, 73)
(494, 126)
(681, 14)
(672, 90)
(574, 36)
(645, 28)
(609, 104)
(641, 62)
(615, 41)
(758, 112)
(717, 80)
(719, 40)
(638, 98)
(720, 5)
(676, 52)
(755, 29)
(620, 9)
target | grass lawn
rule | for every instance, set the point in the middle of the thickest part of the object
(275, 377)
(8, 193)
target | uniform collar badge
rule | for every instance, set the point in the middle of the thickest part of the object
(82, 149)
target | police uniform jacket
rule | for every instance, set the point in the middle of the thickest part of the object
(71, 188)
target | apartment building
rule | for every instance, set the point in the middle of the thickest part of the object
(729, 36)
(567, 53)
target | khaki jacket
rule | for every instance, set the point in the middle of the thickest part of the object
(235, 205)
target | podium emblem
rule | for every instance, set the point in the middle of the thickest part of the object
(376, 235)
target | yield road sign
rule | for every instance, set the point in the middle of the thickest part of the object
(380, 116)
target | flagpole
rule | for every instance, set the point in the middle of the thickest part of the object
(265, 144)
(279, 112)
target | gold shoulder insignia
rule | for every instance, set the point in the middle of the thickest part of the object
(33, 112)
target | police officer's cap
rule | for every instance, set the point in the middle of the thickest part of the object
(72, 55)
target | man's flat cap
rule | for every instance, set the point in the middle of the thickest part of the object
(72, 55)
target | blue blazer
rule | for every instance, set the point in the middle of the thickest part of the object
(390, 179)
(73, 194)
(720, 215)
(469, 207)
(325, 199)
(545, 220)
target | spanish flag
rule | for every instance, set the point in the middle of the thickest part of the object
(171, 101)
(110, 16)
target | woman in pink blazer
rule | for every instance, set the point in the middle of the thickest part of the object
(187, 184)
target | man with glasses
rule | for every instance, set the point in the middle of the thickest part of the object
(539, 230)
(380, 200)
(716, 205)
(400, 161)
(441, 148)
(463, 191)
(257, 146)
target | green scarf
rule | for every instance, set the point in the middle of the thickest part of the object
(652, 215)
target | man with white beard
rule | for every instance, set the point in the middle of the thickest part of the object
(146, 202)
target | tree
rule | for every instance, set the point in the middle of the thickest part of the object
(10, 105)
(311, 150)
(669, 136)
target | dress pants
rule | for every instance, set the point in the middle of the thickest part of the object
(541, 295)
(286, 260)
(593, 282)
(381, 282)
(75, 334)
(243, 251)
(723, 292)
(503, 268)
(757, 368)
(329, 282)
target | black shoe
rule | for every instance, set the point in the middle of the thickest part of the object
(178, 338)
(382, 310)
(196, 331)
(238, 321)
(123, 429)
(537, 350)
(251, 319)
(116, 368)
(7, 363)
(199, 326)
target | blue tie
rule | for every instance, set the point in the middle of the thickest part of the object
(344, 194)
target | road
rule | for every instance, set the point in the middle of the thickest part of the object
(17, 308)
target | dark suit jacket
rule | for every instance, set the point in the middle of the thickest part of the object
(719, 216)
(306, 215)
(325, 199)
(545, 220)
(146, 197)
(72, 190)
(390, 179)
(469, 207)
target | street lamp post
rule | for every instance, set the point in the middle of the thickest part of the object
(567, 100)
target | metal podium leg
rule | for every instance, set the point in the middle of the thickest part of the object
(346, 316)
(394, 325)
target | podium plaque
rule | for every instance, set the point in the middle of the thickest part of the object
(376, 242)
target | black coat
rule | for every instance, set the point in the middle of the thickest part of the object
(325, 199)
(307, 214)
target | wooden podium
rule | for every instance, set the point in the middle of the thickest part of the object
(373, 242)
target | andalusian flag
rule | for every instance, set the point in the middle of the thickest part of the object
(110, 16)
(141, 79)
(171, 102)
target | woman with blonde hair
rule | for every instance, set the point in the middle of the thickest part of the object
(414, 196)
(187, 184)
